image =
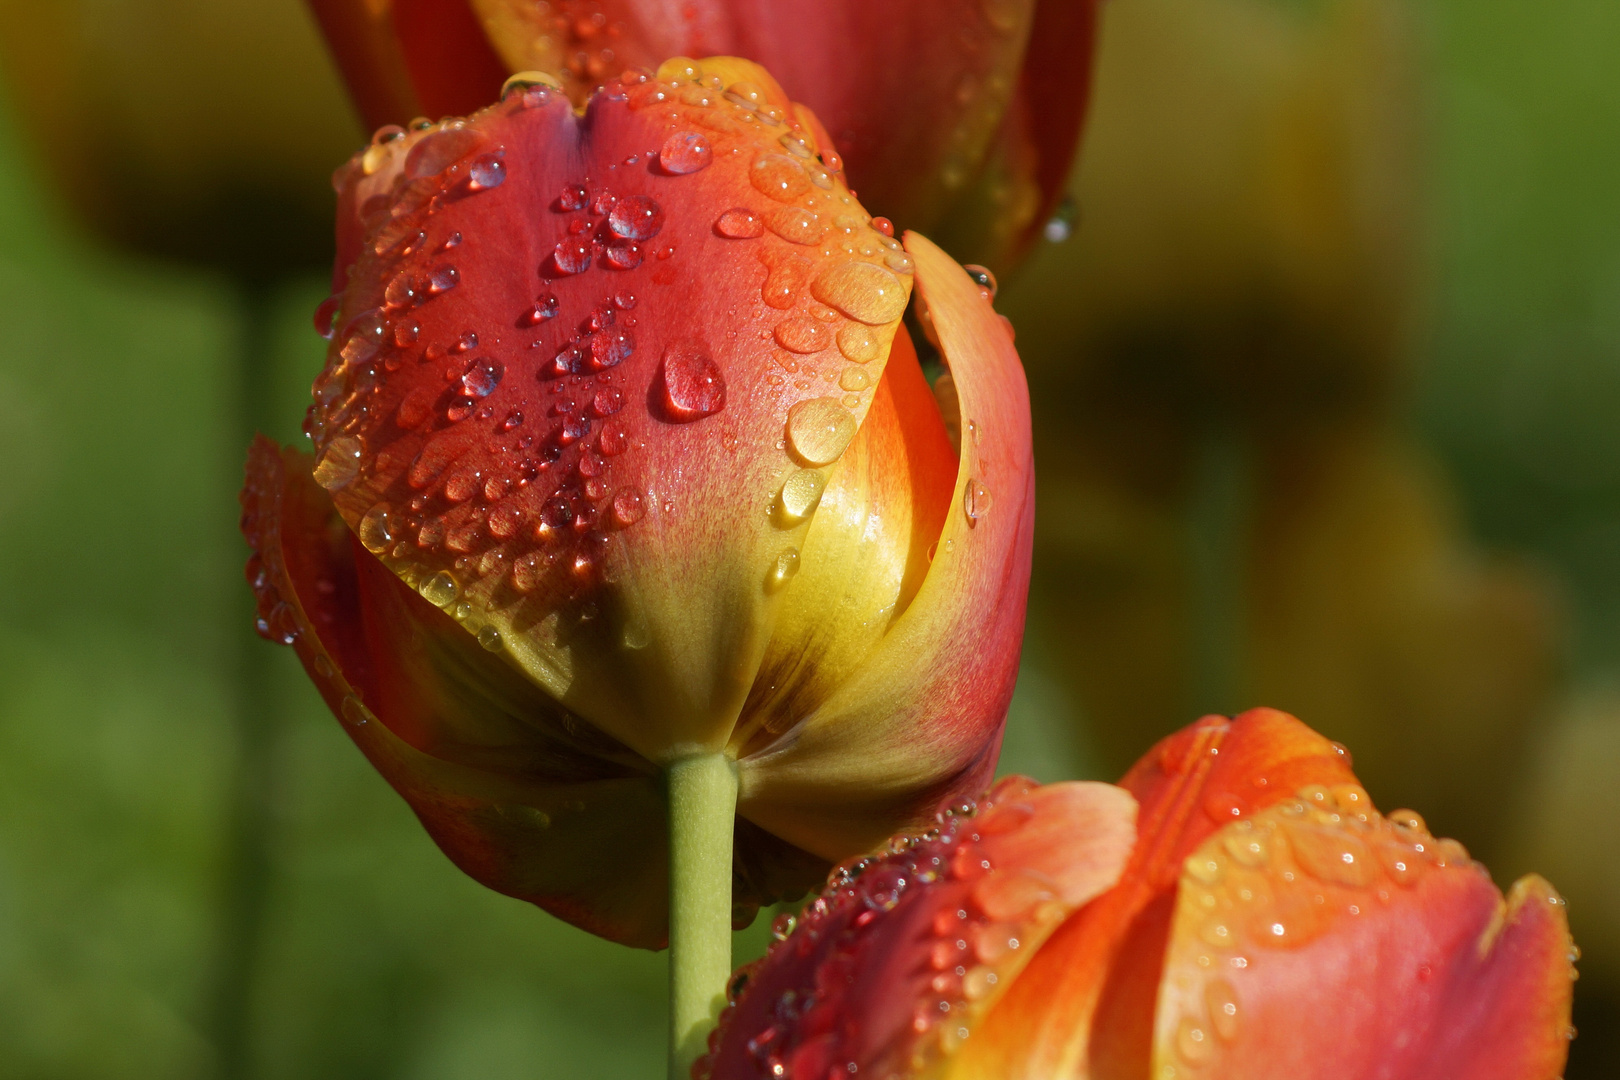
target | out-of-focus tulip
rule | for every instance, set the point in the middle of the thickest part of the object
(1236, 509)
(624, 457)
(183, 128)
(956, 117)
(1269, 923)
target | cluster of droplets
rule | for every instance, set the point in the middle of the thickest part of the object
(985, 921)
(1277, 880)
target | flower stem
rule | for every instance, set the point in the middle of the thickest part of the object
(702, 810)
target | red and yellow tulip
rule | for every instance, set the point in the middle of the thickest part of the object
(952, 114)
(1268, 923)
(623, 455)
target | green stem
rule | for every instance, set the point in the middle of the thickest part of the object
(702, 810)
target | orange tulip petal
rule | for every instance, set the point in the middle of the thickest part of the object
(452, 65)
(361, 37)
(578, 357)
(520, 796)
(1087, 1000)
(1319, 939)
(890, 969)
(925, 710)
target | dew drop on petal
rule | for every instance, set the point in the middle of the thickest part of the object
(440, 589)
(628, 508)
(782, 570)
(340, 462)
(861, 290)
(685, 152)
(801, 493)
(854, 380)
(572, 256)
(819, 429)
(438, 151)
(377, 529)
(692, 382)
(778, 176)
(858, 343)
(636, 217)
(740, 223)
(975, 501)
(481, 379)
(327, 312)
(796, 225)
(490, 638)
(486, 171)
(573, 197)
(983, 278)
(802, 335)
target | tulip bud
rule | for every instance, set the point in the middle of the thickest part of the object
(1269, 923)
(623, 456)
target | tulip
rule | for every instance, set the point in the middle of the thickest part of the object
(629, 487)
(958, 115)
(1269, 922)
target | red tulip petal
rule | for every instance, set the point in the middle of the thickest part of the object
(569, 378)
(1087, 999)
(521, 796)
(452, 65)
(1319, 939)
(361, 37)
(925, 710)
(891, 968)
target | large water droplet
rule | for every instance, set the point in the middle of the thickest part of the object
(481, 379)
(573, 197)
(440, 589)
(340, 462)
(796, 225)
(490, 638)
(861, 290)
(625, 255)
(611, 347)
(693, 385)
(636, 217)
(801, 493)
(377, 529)
(854, 380)
(818, 430)
(440, 150)
(858, 343)
(628, 508)
(325, 313)
(685, 152)
(778, 176)
(572, 256)
(486, 171)
(802, 335)
(739, 223)
(783, 569)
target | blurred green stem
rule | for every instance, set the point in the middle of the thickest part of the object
(702, 811)
(246, 855)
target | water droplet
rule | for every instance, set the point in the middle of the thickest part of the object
(854, 380)
(778, 176)
(490, 638)
(861, 290)
(544, 308)
(983, 278)
(440, 589)
(818, 430)
(899, 262)
(883, 225)
(693, 385)
(782, 570)
(481, 379)
(573, 197)
(1060, 226)
(1221, 1000)
(613, 441)
(783, 925)
(438, 151)
(975, 501)
(622, 256)
(636, 217)
(1248, 847)
(801, 493)
(1192, 1041)
(486, 171)
(685, 152)
(1409, 820)
(327, 311)
(784, 281)
(377, 529)
(858, 343)
(796, 225)
(525, 81)
(406, 332)
(628, 508)
(443, 279)
(340, 462)
(572, 256)
(738, 223)
(802, 335)
(354, 711)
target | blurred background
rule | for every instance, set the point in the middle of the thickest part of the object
(1325, 351)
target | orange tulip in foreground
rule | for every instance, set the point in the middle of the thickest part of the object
(952, 114)
(1269, 925)
(629, 486)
